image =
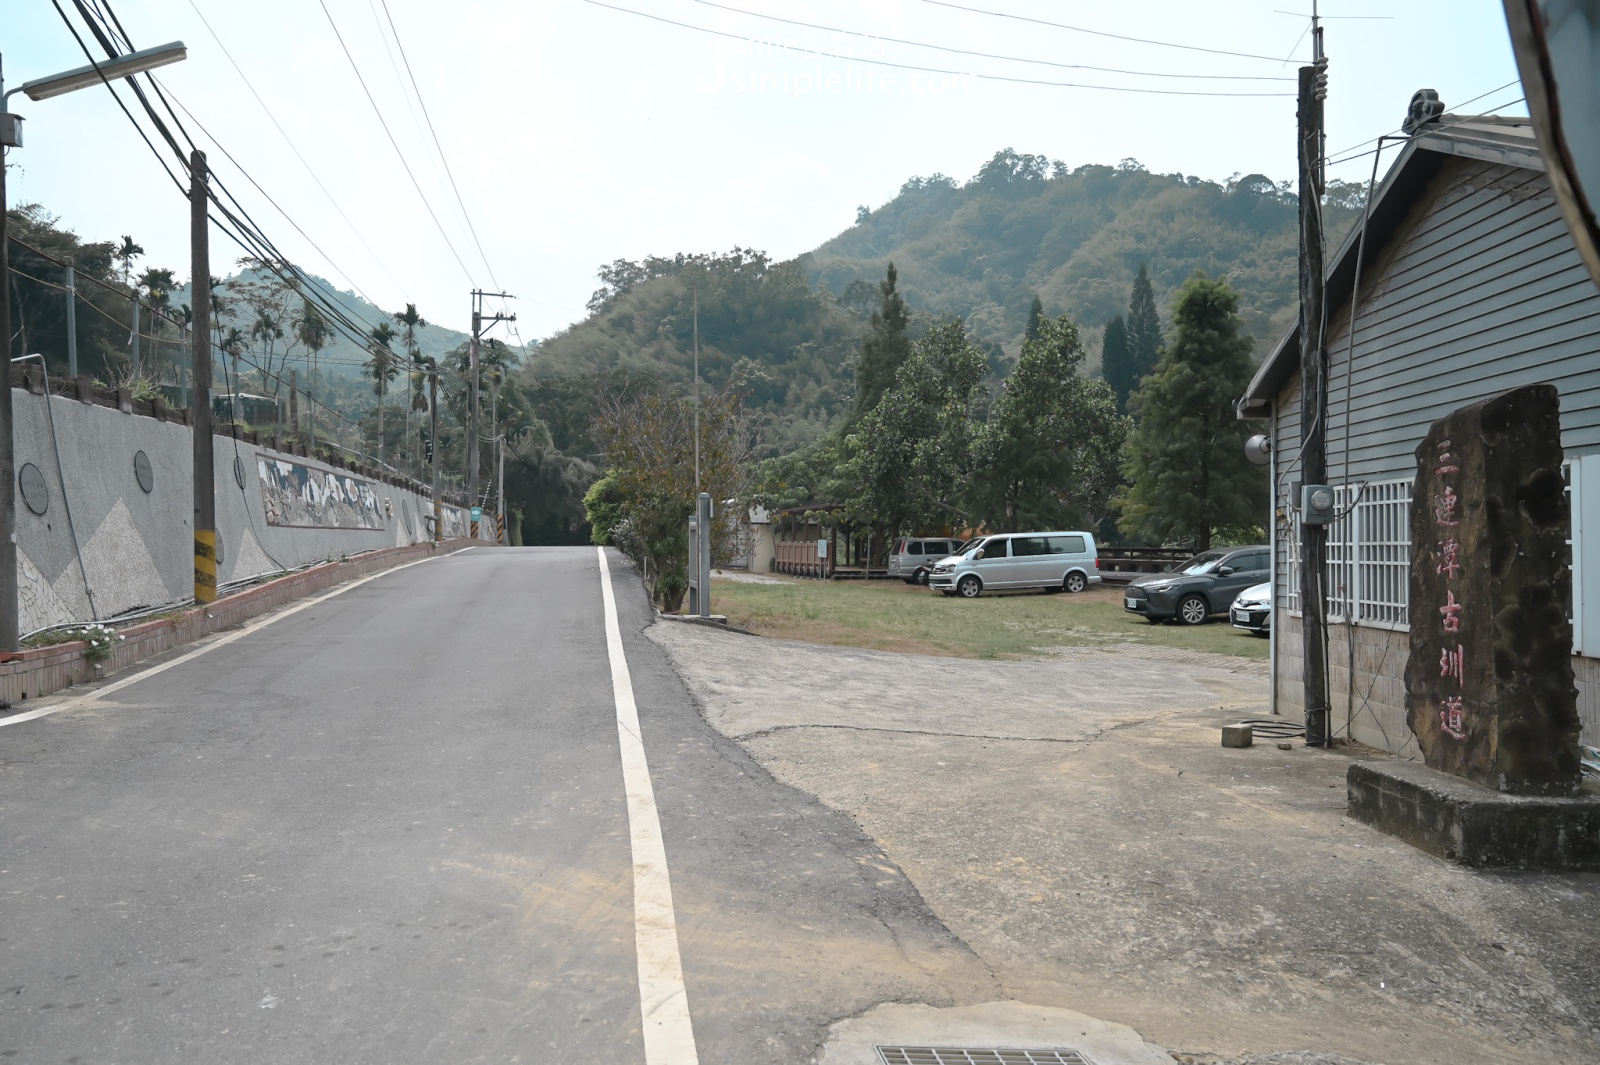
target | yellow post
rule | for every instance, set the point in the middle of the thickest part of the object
(205, 565)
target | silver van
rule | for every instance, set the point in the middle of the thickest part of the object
(1064, 561)
(913, 557)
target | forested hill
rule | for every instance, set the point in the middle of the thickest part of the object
(787, 333)
(1024, 225)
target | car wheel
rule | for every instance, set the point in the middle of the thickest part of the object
(1193, 610)
(970, 587)
(1075, 582)
(920, 577)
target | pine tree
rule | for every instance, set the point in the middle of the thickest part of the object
(1047, 458)
(884, 348)
(1035, 319)
(1116, 362)
(1189, 480)
(1144, 330)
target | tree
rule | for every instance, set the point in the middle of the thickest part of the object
(314, 333)
(909, 456)
(1036, 319)
(884, 347)
(1116, 362)
(409, 322)
(383, 368)
(1144, 330)
(125, 253)
(648, 444)
(1047, 458)
(1189, 480)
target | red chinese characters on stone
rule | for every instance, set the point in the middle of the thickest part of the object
(1451, 719)
(1453, 664)
(1449, 559)
(1451, 612)
(1444, 508)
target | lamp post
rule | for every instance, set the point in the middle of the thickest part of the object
(123, 66)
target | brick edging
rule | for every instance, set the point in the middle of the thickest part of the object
(42, 670)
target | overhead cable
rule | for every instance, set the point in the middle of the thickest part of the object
(992, 55)
(1101, 33)
(394, 143)
(928, 70)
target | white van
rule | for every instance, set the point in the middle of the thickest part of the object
(1065, 561)
(913, 557)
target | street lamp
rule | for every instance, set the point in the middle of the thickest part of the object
(122, 66)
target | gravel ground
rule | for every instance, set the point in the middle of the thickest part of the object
(1076, 822)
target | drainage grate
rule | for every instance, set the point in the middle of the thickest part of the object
(978, 1056)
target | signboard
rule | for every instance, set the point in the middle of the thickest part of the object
(822, 549)
(477, 513)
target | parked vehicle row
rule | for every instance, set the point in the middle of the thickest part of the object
(1065, 561)
(1232, 580)
(1207, 584)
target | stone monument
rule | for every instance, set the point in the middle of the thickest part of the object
(1489, 682)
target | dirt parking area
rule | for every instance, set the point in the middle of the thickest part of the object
(1076, 822)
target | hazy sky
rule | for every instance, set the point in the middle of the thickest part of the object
(579, 133)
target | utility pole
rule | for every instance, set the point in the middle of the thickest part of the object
(479, 320)
(433, 446)
(294, 405)
(10, 631)
(1313, 392)
(72, 320)
(697, 388)
(134, 337)
(205, 496)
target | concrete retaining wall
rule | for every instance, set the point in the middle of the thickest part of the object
(137, 542)
(42, 670)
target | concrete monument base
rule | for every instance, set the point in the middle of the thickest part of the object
(1464, 822)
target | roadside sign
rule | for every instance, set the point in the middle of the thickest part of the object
(477, 513)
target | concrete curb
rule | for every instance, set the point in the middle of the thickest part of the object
(42, 670)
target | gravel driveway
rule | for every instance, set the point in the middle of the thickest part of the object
(1076, 821)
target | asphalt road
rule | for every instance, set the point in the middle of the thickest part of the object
(392, 828)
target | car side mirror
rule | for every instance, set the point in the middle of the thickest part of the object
(977, 555)
(1225, 571)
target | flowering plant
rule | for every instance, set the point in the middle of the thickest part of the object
(101, 640)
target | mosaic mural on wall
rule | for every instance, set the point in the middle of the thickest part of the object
(297, 496)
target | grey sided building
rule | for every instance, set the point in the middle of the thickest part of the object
(1469, 285)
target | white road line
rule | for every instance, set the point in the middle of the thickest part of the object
(238, 634)
(663, 1001)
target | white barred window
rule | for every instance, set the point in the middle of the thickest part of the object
(1368, 555)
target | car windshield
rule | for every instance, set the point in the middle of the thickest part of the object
(971, 545)
(1201, 563)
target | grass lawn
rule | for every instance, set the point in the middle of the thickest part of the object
(892, 616)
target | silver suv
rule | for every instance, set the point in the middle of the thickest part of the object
(913, 558)
(1067, 561)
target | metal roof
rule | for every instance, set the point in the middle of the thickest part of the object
(1487, 138)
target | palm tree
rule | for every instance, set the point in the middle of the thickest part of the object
(409, 322)
(383, 368)
(314, 332)
(157, 285)
(266, 331)
(233, 344)
(125, 253)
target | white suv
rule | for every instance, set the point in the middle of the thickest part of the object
(1068, 561)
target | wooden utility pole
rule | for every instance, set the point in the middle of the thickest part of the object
(478, 320)
(433, 445)
(205, 498)
(1313, 397)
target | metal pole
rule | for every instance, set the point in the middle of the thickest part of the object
(433, 437)
(294, 405)
(72, 320)
(10, 633)
(311, 406)
(472, 413)
(703, 563)
(697, 389)
(133, 339)
(205, 501)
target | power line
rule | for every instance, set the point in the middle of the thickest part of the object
(1422, 132)
(395, 144)
(929, 70)
(437, 146)
(286, 139)
(990, 55)
(1101, 33)
(1463, 103)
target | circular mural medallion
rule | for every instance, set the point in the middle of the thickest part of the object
(34, 493)
(238, 470)
(142, 471)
